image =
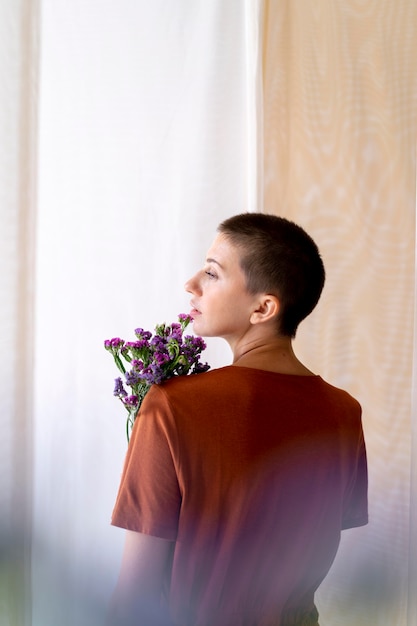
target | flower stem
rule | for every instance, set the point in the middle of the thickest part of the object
(119, 363)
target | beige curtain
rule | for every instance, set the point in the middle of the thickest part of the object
(148, 125)
(339, 157)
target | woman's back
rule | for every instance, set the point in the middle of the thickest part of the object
(253, 474)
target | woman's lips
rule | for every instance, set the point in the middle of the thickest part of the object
(194, 312)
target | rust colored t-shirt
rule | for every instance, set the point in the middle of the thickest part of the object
(253, 475)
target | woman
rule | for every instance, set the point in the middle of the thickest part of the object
(238, 482)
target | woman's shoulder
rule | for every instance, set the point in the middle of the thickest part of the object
(201, 379)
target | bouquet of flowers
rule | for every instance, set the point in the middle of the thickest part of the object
(152, 359)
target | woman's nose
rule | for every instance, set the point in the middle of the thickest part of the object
(191, 286)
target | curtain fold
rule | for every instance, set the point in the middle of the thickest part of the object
(18, 131)
(412, 566)
(254, 127)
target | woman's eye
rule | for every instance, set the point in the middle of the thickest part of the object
(210, 274)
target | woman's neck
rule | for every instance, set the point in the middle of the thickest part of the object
(276, 355)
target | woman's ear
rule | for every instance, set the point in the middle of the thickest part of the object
(268, 308)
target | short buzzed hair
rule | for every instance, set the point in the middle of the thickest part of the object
(280, 258)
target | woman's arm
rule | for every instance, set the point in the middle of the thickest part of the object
(136, 598)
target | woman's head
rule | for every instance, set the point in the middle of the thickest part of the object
(278, 257)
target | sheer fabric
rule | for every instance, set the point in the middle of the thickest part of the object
(18, 105)
(339, 157)
(156, 122)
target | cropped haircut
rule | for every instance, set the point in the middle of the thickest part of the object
(278, 257)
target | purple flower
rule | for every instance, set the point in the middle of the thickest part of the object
(131, 400)
(176, 336)
(148, 376)
(137, 345)
(199, 368)
(119, 390)
(161, 357)
(154, 374)
(176, 332)
(185, 318)
(132, 378)
(113, 344)
(195, 343)
(158, 342)
(153, 359)
(143, 334)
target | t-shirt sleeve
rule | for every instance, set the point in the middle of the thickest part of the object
(355, 511)
(149, 497)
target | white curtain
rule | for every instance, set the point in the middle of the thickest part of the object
(18, 105)
(143, 149)
(129, 131)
